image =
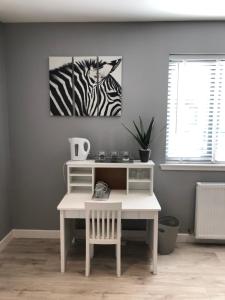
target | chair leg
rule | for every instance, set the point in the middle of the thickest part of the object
(88, 258)
(118, 259)
(92, 250)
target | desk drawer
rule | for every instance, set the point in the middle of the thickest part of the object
(130, 215)
(74, 214)
(138, 215)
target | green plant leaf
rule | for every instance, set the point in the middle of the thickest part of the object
(149, 132)
(136, 137)
(142, 127)
(139, 133)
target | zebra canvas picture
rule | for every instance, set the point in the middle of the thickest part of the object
(61, 87)
(85, 86)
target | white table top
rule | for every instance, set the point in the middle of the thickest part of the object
(135, 201)
(93, 164)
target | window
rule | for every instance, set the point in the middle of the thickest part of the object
(196, 108)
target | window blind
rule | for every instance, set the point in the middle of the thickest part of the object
(196, 108)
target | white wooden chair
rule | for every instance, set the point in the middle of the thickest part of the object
(103, 226)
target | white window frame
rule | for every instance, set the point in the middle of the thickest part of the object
(188, 163)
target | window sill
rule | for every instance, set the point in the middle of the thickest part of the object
(192, 167)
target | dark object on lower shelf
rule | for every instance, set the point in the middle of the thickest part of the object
(144, 154)
(168, 230)
(117, 160)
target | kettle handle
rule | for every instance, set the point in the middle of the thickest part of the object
(88, 146)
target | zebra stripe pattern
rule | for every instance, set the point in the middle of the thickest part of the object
(61, 91)
(85, 88)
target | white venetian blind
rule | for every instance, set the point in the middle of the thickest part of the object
(196, 108)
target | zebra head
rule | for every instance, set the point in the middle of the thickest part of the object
(100, 94)
(109, 89)
(102, 69)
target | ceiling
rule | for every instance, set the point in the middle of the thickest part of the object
(110, 10)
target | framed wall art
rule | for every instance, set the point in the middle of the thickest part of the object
(85, 86)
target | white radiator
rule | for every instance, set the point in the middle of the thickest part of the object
(210, 211)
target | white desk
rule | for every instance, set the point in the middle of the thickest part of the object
(135, 205)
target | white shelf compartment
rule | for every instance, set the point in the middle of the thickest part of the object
(80, 184)
(140, 180)
(139, 174)
(139, 186)
(80, 189)
(80, 171)
(80, 175)
(80, 180)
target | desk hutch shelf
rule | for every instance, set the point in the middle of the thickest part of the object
(132, 177)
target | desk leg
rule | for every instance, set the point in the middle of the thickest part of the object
(62, 242)
(73, 232)
(155, 243)
(148, 233)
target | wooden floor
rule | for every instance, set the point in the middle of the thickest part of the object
(29, 269)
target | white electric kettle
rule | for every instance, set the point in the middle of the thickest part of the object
(77, 149)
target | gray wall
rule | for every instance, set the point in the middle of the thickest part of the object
(40, 142)
(5, 224)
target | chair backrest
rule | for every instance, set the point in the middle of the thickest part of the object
(103, 220)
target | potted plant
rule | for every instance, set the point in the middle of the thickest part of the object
(143, 137)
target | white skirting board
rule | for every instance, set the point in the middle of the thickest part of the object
(35, 233)
(132, 235)
(4, 242)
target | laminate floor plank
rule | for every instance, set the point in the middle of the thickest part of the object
(30, 269)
